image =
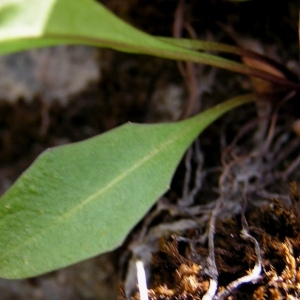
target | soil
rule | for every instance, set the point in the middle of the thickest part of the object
(234, 200)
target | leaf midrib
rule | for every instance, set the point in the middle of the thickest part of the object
(105, 189)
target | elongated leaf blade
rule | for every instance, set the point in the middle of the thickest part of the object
(88, 23)
(82, 199)
(30, 24)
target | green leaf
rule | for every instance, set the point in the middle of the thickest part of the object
(80, 200)
(202, 45)
(30, 24)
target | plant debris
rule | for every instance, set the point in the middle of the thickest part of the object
(180, 270)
